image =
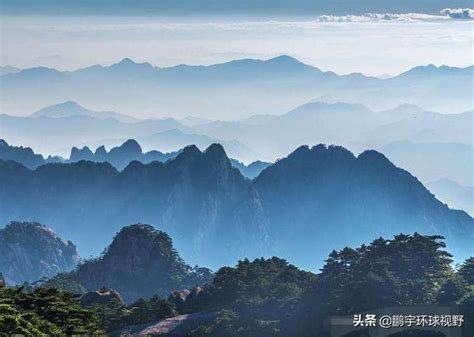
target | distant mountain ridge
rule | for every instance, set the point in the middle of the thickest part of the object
(69, 109)
(70, 124)
(455, 195)
(352, 125)
(20, 154)
(46, 134)
(401, 133)
(322, 196)
(233, 89)
(432, 161)
(119, 156)
(8, 70)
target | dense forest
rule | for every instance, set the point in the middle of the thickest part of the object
(266, 297)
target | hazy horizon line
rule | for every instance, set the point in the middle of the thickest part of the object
(205, 65)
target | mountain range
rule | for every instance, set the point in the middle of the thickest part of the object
(8, 70)
(408, 135)
(432, 146)
(433, 161)
(46, 133)
(454, 194)
(320, 196)
(70, 124)
(70, 109)
(352, 125)
(227, 91)
(119, 156)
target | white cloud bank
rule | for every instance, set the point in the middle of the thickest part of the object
(369, 17)
(446, 14)
(459, 13)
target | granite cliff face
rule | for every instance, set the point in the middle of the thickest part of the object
(29, 251)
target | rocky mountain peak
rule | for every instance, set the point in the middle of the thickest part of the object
(215, 152)
(29, 251)
(80, 154)
(100, 151)
(141, 241)
(188, 153)
(137, 252)
(131, 145)
(374, 159)
(20, 154)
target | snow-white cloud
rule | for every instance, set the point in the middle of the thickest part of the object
(378, 17)
(459, 13)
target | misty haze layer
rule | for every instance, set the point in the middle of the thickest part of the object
(391, 44)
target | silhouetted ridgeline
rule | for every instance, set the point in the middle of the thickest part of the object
(239, 88)
(118, 156)
(320, 196)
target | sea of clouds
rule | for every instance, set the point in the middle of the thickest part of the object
(445, 14)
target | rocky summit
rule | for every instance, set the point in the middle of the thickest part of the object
(30, 251)
(139, 263)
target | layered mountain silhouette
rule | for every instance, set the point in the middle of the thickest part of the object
(8, 70)
(119, 157)
(320, 196)
(431, 145)
(139, 263)
(353, 125)
(231, 90)
(454, 194)
(174, 139)
(69, 109)
(252, 170)
(50, 134)
(432, 161)
(20, 154)
(410, 136)
(70, 124)
(29, 251)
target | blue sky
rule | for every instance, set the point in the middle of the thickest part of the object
(225, 7)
